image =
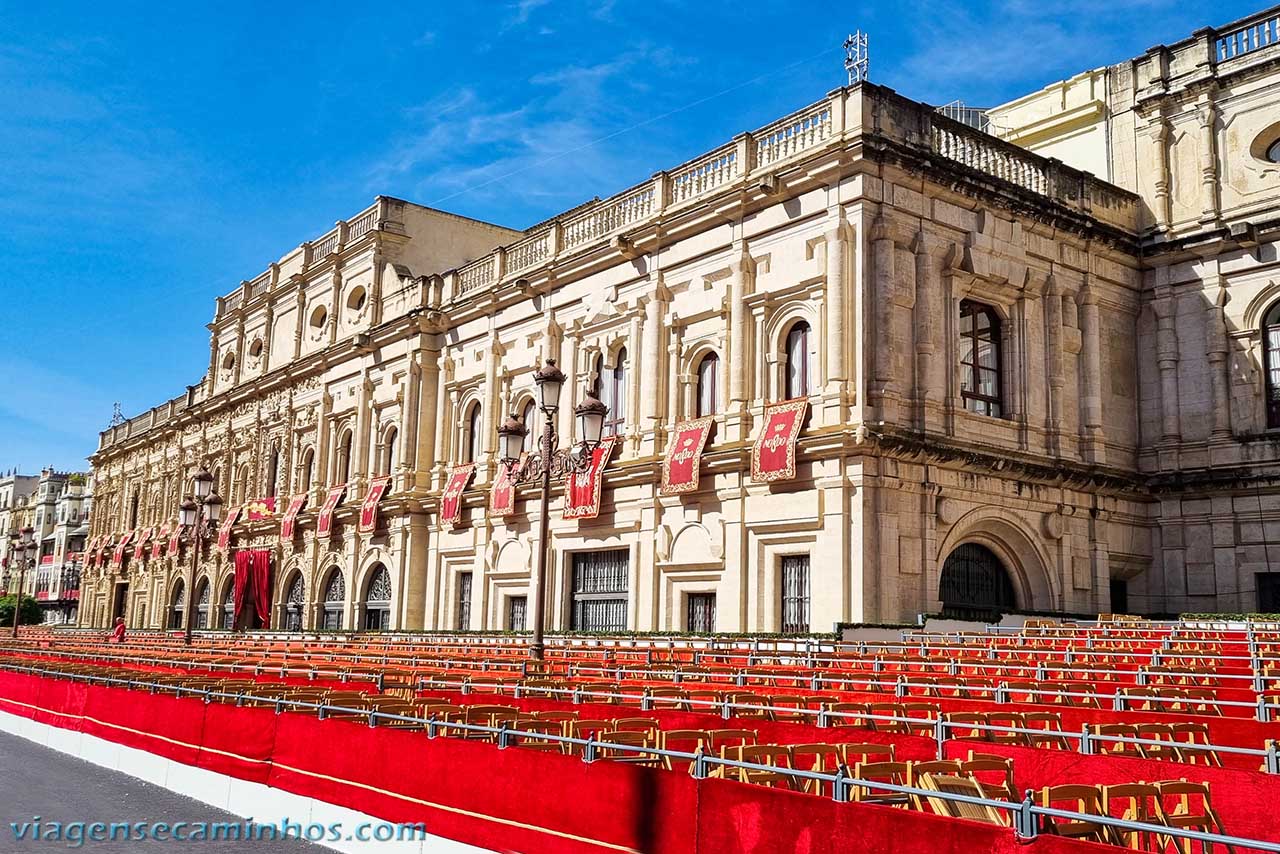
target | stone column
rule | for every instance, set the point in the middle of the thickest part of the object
(1164, 307)
(1208, 118)
(883, 280)
(300, 320)
(930, 329)
(837, 238)
(1053, 358)
(636, 350)
(1219, 366)
(1158, 131)
(738, 346)
(1091, 385)
(655, 373)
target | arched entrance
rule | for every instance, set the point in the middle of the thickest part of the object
(335, 597)
(177, 606)
(294, 602)
(975, 585)
(377, 602)
(202, 604)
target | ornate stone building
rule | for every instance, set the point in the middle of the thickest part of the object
(968, 324)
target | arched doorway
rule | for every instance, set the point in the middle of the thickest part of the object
(177, 605)
(335, 595)
(229, 606)
(377, 601)
(975, 585)
(295, 601)
(202, 604)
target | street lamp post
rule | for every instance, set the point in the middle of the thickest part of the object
(511, 435)
(25, 552)
(198, 519)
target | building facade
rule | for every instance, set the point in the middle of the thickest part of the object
(56, 505)
(967, 324)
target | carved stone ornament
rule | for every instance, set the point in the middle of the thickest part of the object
(948, 511)
(1053, 525)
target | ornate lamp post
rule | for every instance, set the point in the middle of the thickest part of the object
(511, 435)
(25, 551)
(198, 518)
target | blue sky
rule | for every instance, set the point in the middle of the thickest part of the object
(152, 156)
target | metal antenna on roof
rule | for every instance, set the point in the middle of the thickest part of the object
(857, 57)
(117, 417)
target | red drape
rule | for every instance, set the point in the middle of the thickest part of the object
(243, 571)
(262, 586)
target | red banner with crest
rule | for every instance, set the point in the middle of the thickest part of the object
(224, 532)
(140, 547)
(91, 556)
(582, 488)
(160, 541)
(296, 503)
(774, 455)
(684, 456)
(378, 487)
(175, 539)
(260, 509)
(117, 554)
(451, 500)
(324, 524)
(502, 496)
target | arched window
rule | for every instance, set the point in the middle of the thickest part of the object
(243, 485)
(273, 471)
(975, 585)
(218, 486)
(295, 602)
(708, 385)
(229, 606)
(307, 469)
(377, 601)
(980, 358)
(472, 441)
(202, 605)
(798, 382)
(335, 594)
(611, 388)
(1271, 362)
(388, 461)
(342, 474)
(529, 417)
(178, 606)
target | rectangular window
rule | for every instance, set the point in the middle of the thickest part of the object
(600, 591)
(464, 602)
(1268, 592)
(980, 358)
(1119, 596)
(515, 613)
(795, 594)
(701, 616)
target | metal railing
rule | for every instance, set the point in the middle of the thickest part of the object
(1024, 816)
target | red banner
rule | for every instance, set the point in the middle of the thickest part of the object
(296, 504)
(774, 455)
(102, 549)
(47, 560)
(140, 548)
(262, 508)
(224, 532)
(91, 556)
(175, 539)
(158, 544)
(684, 456)
(502, 496)
(369, 509)
(324, 525)
(582, 488)
(117, 554)
(451, 501)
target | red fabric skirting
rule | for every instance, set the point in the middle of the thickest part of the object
(511, 800)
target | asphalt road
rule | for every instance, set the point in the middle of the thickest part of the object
(58, 788)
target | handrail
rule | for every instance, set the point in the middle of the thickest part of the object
(700, 761)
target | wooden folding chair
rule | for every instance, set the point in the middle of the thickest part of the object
(1187, 806)
(1116, 748)
(722, 738)
(1050, 722)
(1076, 798)
(819, 758)
(966, 725)
(853, 753)
(893, 773)
(1167, 751)
(887, 710)
(682, 741)
(994, 774)
(841, 710)
(948, 784)
(1189, 737)
(775, 755)
(628, 738)
(538, 727)
(1012, 720)
(1138, 802)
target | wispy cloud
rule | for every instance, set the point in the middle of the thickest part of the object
(540, 152)
(521, 12)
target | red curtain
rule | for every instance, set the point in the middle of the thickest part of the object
(262, 586)
(243, 571)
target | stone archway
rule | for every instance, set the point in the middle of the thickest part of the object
(1015, 546)
(974, 584)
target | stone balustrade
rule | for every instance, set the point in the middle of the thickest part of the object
(1248, 35)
